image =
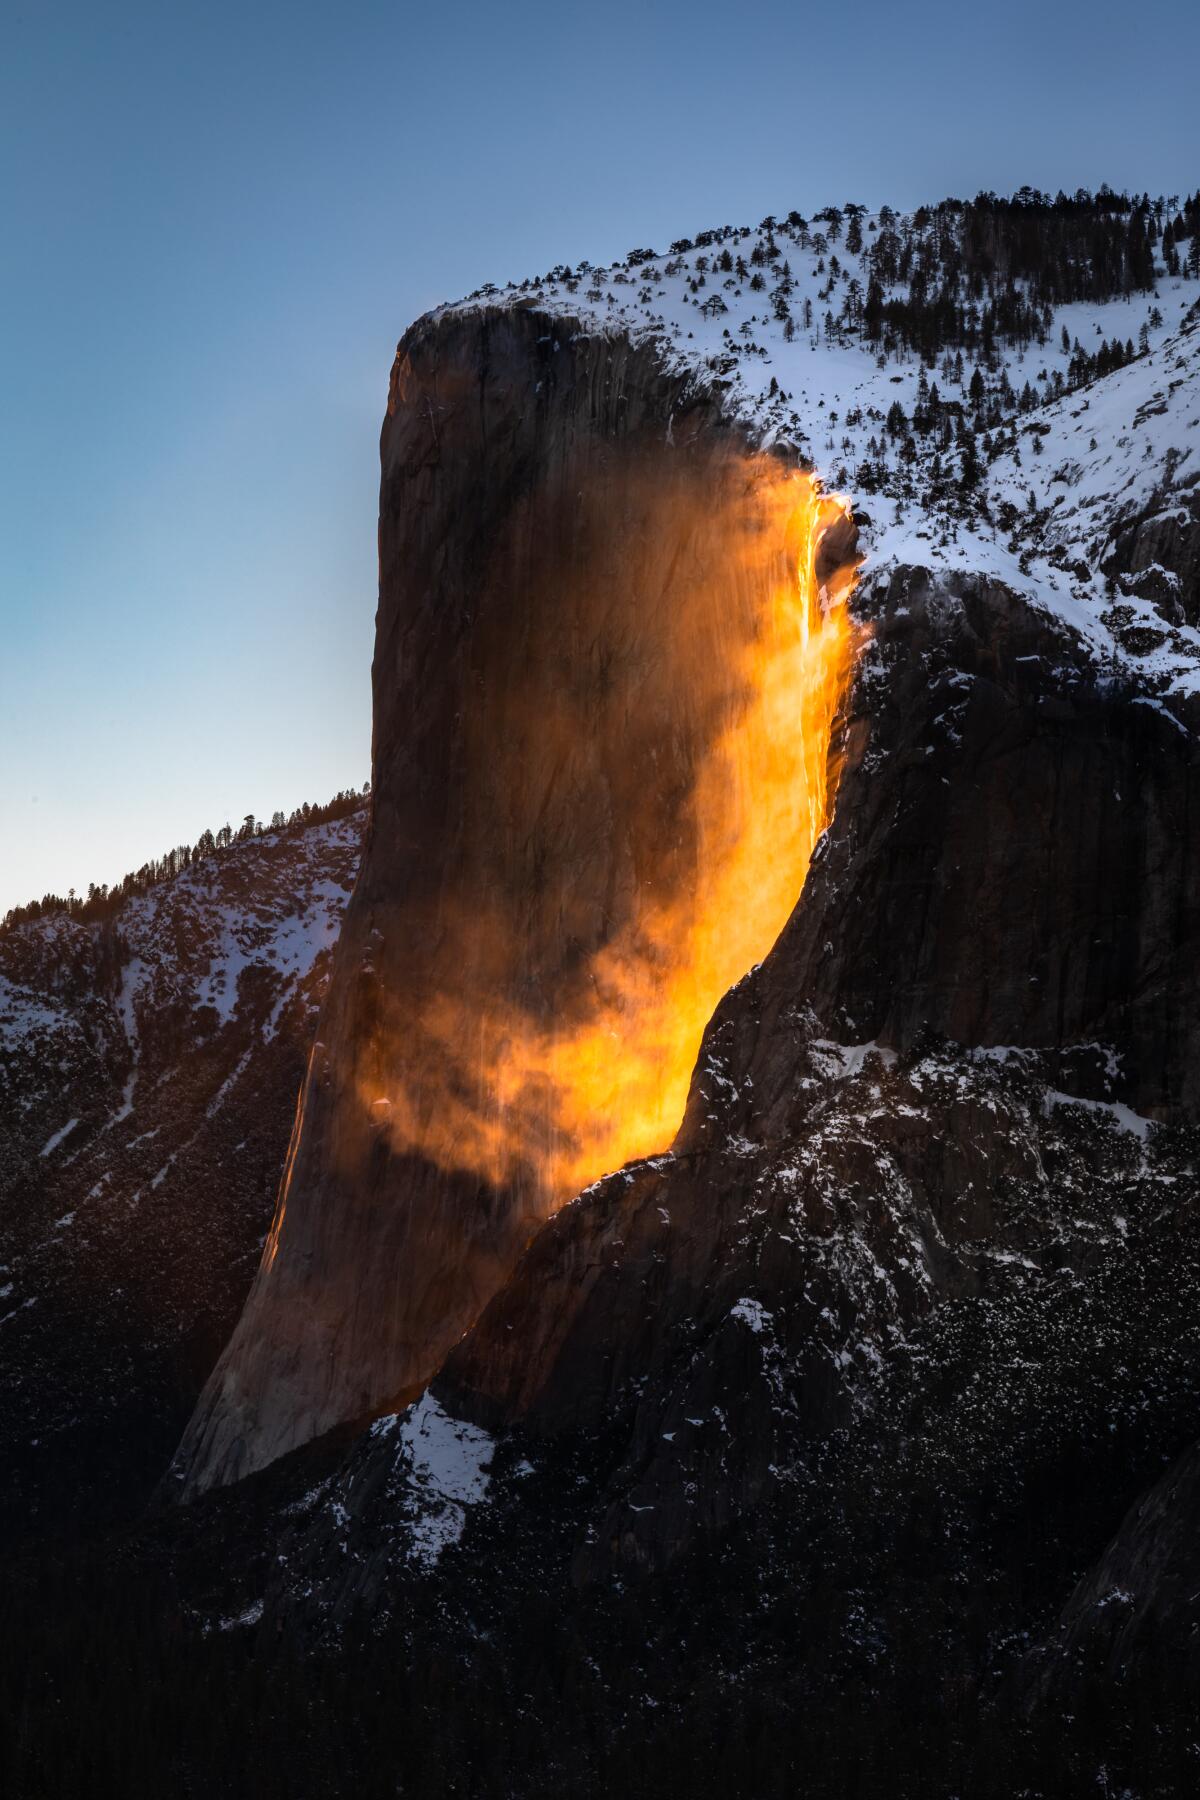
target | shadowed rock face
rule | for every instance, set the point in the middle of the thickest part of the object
(562, 595)
(839, 1400)
(881, 1352)
(1014, 858)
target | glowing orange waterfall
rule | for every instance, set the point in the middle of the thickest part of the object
(576, 1094)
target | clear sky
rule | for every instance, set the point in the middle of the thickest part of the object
(218, 219)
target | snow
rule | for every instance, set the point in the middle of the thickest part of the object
(126, 1107)
(753, 1314)
(251, 1616)
(299, 941)
(75, 1033)
(844, 1060)
(1123, 1117)
(1004, 1053)
(23, 1014)
(219, 987)
(448, 1460)
(57, 1137)
(235, 1074)
(133, 980)
(1158, 707)
(293, 945)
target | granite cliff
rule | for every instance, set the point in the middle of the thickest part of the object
(572, 547)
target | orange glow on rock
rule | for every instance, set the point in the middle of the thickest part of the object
(547, 1098)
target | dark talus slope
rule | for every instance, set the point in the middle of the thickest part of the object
(149, 1068)
(565, 540)
(936, 1343)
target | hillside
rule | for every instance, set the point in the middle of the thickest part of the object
(149, 1064)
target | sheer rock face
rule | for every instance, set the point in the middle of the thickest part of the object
(549, 507)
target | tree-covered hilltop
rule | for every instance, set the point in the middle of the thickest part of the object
(1000, 304)
(964, 274)
(103, 902)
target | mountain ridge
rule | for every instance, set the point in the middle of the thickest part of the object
(148, 1066)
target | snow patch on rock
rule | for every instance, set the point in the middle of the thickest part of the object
(448, 1462)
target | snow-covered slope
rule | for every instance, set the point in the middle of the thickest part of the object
(1091, 472)
(78, 1001)
(781, 332)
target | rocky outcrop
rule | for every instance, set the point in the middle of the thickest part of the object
(935, 1098)
(1156, 554)
(762, 1463)
(823, 1415)
(563, 589)
(1011, 863)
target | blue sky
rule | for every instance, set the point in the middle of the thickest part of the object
(218, 220)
